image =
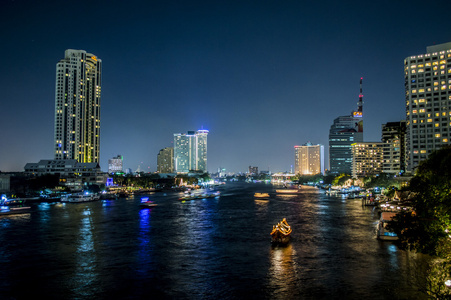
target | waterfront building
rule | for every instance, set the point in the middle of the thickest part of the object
(77, 107)
(345, 131)
(115, 164)
(394, 139)
(190, 151)
(367, 158)
(428, 102)
(309, 159)
(165, 160)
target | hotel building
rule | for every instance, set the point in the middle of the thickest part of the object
(190, 151)
(165, 160)
(77, 107)
(309, 159)
(367, 158)
(345, 131)
(428, 102)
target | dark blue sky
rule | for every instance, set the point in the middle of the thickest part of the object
(262, 76)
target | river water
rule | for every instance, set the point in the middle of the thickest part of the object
(215, 248)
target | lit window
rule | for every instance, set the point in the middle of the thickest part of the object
(437, 135)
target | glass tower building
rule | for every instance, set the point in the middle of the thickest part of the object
(190, 151)
(77, 107)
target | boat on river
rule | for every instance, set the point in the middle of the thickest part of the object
(13, 206)
(382, 232)
(281, 233)
(145, 202)
(80, 197)
(193, 196)
(288, 191)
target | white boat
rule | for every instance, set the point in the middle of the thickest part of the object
(13, 206)
(382, 232)
(80, 197)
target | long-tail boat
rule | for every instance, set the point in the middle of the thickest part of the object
(281, 232)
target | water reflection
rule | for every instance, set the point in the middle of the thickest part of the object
(282, 272)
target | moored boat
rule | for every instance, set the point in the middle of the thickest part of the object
(145, 202)
(382, 232)
(14, 206)
(80, 197)
(281, 233)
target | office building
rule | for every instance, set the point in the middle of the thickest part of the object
(345, 131)
(165, 160)
(77, 107)
(115, 164)
(428, 102)
(309, 159)
(253, 170)
(394, 139)
(367, 158)
(190, 151)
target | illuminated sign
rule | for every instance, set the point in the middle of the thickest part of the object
(357, 114)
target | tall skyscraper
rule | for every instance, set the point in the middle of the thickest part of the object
(345, 131)
(190, 151)
(394, 139)
(115, 164)
(309, 159)
(165, 160)
(77, 107)
(428, 102)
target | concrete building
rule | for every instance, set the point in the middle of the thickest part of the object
(428, 102)
(165, 160)
(367, 158)
(309, 159)
(345, 131)
(77, 107)
(394, 139)
(253, 170)
(190, 151)
(115, 164)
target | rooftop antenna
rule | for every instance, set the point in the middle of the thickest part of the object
(360, 103)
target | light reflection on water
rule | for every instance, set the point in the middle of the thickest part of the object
(202, 249)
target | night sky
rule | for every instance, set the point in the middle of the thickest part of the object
(261, 76)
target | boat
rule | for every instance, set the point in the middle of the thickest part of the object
(382, 232)
(261, 195)
(13, 206)
(145, 202)
(288, 191)
(193, 196)
(281, 233)
(80, 197)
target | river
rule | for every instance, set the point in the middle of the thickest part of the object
(216, 248)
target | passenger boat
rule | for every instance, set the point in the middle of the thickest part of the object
(11, 207)
(261, 195)
(281, 233)
(381, 231)
(145, 202)
(193, 196)
(80, 197)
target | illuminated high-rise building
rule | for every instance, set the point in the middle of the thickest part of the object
(165, 160)
(345, 131)
(428, 102)
(77, 107)
(367, 158)
(115, 164)
(190, 151)
(309, 159)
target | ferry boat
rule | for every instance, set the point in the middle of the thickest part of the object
(281, 233)
(80, 197)
(381, 231)
(145, 202)
(193, 196)
(11, 207)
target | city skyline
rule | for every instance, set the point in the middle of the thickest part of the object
(261, 78)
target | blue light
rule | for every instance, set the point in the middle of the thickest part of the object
(144, 199)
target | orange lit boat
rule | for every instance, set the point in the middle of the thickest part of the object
(281, 233)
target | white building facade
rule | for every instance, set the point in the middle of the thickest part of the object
(309, 159)
(190, 151)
